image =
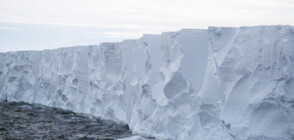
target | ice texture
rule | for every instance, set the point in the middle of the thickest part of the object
(219, 83)
(250, 80)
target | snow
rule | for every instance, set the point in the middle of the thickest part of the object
(217, 84)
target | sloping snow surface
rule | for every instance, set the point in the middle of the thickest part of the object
(215, 84)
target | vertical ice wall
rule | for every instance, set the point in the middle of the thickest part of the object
(147, 83)
(174, 95)
(215, 84)
(250, 81)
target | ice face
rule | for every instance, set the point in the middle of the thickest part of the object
(220, 83)
(250, 70)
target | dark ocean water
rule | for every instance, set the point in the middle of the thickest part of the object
(20, 120)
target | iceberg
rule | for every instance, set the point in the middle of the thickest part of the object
(220, 83)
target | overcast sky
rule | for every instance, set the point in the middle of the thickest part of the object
(46, 24)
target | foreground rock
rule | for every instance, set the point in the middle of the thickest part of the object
(26, 121)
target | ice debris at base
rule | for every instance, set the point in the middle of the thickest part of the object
(215, 84)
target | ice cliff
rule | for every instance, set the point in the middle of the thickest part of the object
(214, 84)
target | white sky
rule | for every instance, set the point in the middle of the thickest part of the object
(120, 19)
